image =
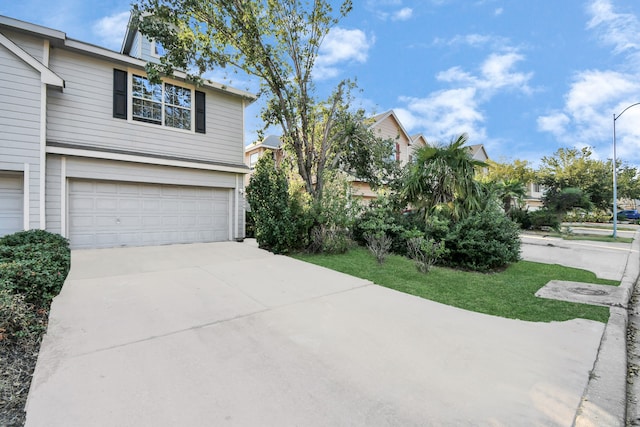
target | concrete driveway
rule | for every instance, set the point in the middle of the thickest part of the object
(227, 334)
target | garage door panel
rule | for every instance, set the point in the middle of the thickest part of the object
(105, 214)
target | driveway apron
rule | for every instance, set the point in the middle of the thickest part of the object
(228, 334)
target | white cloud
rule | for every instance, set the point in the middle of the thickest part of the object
(403, 14)
(595, 95)
(111, 29)
(498, 11)
(339, 47)
(473, 40)
(617, 29)
(449, 112)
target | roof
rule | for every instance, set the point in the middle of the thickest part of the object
(383, 116)
(60, 39)
(478, 149)
(271, 142)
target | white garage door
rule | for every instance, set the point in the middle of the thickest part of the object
(109, 213)
(10, 203)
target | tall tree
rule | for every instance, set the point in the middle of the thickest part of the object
(519, 170)
(443, 176)
(574, 168)
(275, 40)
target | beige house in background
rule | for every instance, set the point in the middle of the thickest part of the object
(385, 126)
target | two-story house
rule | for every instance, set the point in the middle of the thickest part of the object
(92, 150)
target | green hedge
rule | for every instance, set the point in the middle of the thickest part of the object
(35, 264)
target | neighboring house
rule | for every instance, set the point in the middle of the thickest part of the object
(253, 152)
(533, 198)
(90, 149)
(386, 126)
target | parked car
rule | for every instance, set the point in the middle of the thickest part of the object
(629, 214)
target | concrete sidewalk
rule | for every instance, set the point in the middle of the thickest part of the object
(225, 333)
(605, 398)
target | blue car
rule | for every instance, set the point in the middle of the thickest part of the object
(629, 214)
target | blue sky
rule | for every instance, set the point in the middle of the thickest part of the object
(522, 77)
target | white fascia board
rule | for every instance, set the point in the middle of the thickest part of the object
(65, 151)
(115, 56)
(46, 75)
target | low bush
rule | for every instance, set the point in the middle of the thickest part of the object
(484, 241)
(424, 253)
(544, 218)
(521, 217)
(35, 264)
(379, 245)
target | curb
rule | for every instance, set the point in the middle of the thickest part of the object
(604, 402)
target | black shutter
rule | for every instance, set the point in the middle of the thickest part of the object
(119, 94)
(201, 113)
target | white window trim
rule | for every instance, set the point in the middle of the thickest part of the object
(130, 73)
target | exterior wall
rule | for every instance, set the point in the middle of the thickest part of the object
(82, 115)
(20, 120)
(88, 168)
(389, 129)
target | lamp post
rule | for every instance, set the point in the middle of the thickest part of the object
(615, 172)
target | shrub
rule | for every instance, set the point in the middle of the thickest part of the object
(544, 218)
(383, 216)
(21, 329)
(379, 244)
(275, 228)
(521, 217)
(425, 253)
(334, 216)
(35, 264)
(484, 241)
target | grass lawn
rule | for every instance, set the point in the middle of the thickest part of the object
(598, 238)
(601, 227)
(509, 293)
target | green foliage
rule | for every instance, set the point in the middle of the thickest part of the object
(581, 215)
(384, 216)
(334, 217)
(562, 201)
(21, 323)
(507, 293)
(275, 227)
(443, 178)
(276, 41)
(544, 218)
(35, 264)
(424, 252)
(521, 217)
(483, 241)
(574, 168)
(518, 170)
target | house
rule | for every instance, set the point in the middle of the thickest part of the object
(271, 144)
(90, 149)
(385, 126)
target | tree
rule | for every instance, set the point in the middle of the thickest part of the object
(509, 191)
(566, 199)
(275, 41)
(628, 183)
(267, 193)
(443, 177)
(520, 170)
(573, 168)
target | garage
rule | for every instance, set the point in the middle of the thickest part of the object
(11, 203)
(112, 213)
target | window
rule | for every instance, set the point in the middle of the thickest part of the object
(157, 50)
(166, 103)
(253, 159)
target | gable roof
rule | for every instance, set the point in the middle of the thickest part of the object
(416, 139)
(271, 142)
(60, 39)
(477, 149)
(46, 75)
(383, 116)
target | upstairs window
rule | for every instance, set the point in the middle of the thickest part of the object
(163, 103)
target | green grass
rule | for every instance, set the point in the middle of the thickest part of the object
(509, 293)
(597, 238)
(601, 227)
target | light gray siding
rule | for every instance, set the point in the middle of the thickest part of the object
(78, 168)
(20, 122)
(34, 46)
(82, 115)
(11, 202)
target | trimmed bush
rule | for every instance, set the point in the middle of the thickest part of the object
(484, 241)
(35, 264)
(544, 218)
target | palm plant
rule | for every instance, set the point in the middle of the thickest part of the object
(509, 191)
(442, 178)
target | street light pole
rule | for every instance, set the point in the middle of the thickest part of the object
(615, 172)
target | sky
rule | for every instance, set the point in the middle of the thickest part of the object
(522, 77)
